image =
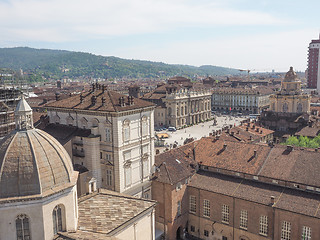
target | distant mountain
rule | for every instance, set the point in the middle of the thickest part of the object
(56, 64)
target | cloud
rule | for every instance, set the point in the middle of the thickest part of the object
(73, 20)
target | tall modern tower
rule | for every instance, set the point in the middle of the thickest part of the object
(313, 64)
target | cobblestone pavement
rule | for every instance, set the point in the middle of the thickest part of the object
(200, 130)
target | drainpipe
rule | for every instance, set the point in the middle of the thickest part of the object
(233, 213)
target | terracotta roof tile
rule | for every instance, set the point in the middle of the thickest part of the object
(111, 102)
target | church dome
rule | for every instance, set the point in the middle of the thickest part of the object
(291, 76)
(32, 162)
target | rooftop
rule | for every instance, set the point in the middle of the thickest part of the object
(104, 213)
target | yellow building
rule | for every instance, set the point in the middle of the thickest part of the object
(290, 98)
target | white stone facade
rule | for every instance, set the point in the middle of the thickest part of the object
(240, 100)
(186, 107)
(120, 151)
(39, 213)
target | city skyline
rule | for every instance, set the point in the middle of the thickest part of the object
(245, 34)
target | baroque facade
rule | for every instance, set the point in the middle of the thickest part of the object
(119, 151)
(180, 103)
(289, 108)
(248, 100)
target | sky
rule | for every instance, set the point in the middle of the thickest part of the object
(260, 35)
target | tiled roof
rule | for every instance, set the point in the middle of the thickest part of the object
(175, 165)
(286, 199)
(308, 131)
(64, 133)
(107, 101)
(259, 90)
(106, 211)
(277, 162)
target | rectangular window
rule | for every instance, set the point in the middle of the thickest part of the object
(192, 228)
(285, 230)
(126, 155)
(109, 177)
(263, 225)
(145, 168)
(179, 208)
(225, 213)
(144, 128)
(244, 219)
(206, 233)
(193, 204)
(306, 233)
(108, 135)
(224, 238)
(108, 157)
(206, 208)
(126, 133)
(127, 171)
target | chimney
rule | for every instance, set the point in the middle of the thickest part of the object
(103, 88)
(289, 148)
(81, 98)
(232, 133)
(103, 99)
(93, 86)
(238, 132)
(254, 153)
(224, 146)
(247, 129)
(272, 200)
(250, 138)
(93, 100)
(121, 101)
(253, 126)
(57, 96)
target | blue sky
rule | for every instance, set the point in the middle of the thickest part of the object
(259, 35)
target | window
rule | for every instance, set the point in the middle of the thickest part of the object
(206, 208)
(178, 186)
(22, 227)
(244, 219)
(192, 228)
(57, 219)
(179, 208)
(145, 160)
(306, 233)
(127, 173)
(144, 125)
(126, 130)
(109, 177)
(108, 135)
(206, 233)
(225, 213)
(224, 238)
(286, 230)
(263, 225)
(193, 204)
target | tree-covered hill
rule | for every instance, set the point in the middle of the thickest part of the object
(56, 64)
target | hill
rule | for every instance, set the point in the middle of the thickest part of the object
(56, 64)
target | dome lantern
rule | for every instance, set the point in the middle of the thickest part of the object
(23, 115)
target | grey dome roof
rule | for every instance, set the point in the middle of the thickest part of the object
(32, 162)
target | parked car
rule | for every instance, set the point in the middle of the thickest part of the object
(172, 129)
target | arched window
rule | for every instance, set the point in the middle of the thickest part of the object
(285, 107)
(57, 219)
(126, 130)
(22, 227)
(70, 120)
(95, 122)
(299, 108)
(84, 123)
(169, 111)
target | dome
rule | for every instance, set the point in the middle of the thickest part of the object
(291, 76)
(32, 162)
